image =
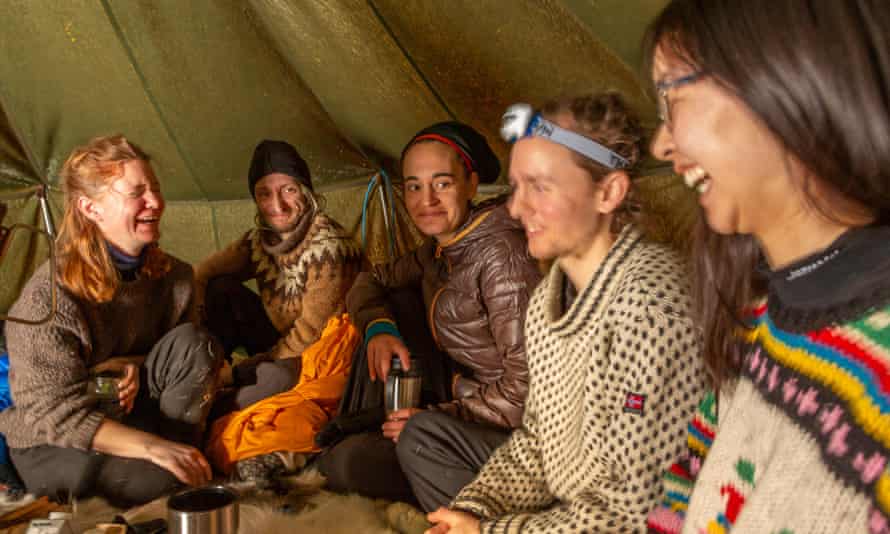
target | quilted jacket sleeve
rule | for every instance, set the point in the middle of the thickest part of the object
(366, 301)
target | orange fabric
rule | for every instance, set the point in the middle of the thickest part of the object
(288, 421)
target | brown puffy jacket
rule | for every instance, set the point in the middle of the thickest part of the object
(476, 289)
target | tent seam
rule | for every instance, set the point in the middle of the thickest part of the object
(151, 98)
(410, 60)
(29, 155)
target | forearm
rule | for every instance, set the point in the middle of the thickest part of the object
(585, 514)
(366, 300)
(233, 260)
(117, 362)
(118, 439)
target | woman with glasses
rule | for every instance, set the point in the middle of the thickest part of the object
(111, 395)
(777, 113)
(613, 355)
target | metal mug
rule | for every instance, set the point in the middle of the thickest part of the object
(403, 387)
(207, 510)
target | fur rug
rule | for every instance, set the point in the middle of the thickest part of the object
(304, 508)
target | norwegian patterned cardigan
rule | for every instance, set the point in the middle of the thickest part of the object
(302, 283)
(804, 434)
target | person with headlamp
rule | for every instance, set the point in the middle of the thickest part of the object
(614, 362)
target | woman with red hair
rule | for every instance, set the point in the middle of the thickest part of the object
(124, 309)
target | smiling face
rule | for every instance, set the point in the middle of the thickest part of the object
(280, 201)
(128, 210)
(739, 168)
(558, 203)
(437, 189)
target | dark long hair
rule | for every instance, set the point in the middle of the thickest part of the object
(817, 74)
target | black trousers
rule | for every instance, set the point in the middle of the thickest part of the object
(365, 462)
(436, 456)
(440, 454)
(235, 315)
(176, 390)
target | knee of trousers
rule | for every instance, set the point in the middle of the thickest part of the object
(137, 482)
(357, 463)
(277, 377)
(422, 431)
(197, 347)
(75, 480)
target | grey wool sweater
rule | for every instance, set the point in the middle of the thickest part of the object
(49, 363)
(613, 380)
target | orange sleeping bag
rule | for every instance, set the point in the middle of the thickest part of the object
(288, 421)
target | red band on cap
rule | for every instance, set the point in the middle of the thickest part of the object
(468, 163)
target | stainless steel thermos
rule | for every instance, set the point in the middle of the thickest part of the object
(402, 387)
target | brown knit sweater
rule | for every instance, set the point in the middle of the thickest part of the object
(49, 363)
(302, 284)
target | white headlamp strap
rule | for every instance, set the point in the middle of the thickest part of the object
(512, 129)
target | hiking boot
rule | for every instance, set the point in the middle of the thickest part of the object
(263, 469)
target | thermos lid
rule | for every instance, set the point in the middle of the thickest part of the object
(396, 364)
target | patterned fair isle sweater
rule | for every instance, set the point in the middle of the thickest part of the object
(803, 436)
(613, 380)
(302, 283)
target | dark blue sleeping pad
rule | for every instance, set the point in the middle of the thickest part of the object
(8, 475)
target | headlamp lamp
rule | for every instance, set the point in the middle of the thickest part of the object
(520, 120)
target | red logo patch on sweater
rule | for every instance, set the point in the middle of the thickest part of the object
(635, 403)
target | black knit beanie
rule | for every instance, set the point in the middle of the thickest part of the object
(277, 156)
(470, 145)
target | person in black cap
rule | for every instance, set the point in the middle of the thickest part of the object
(475, 275)
(303, 263)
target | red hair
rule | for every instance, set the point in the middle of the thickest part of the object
(85, 266)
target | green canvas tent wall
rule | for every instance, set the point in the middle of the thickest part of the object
(197, 83)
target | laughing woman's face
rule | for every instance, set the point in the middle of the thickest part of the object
(128, 212)
(739, 168)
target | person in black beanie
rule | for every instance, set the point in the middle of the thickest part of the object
(474, 275)
(303, 263)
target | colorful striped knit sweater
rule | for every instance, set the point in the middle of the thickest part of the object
(804, 434)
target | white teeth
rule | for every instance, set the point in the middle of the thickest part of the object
(703, 186)
(693, 176)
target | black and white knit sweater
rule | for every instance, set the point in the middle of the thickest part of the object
(613, 380)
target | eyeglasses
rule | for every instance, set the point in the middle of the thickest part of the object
(662, 88)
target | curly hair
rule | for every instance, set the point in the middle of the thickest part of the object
(606, 119)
